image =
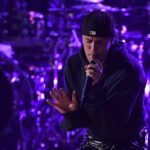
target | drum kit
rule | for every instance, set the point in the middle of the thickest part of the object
(33, 49)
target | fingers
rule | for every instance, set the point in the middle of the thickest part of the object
(57, 92)
(97, 67)
(93, 74)
(57, 95)
(54, 96)
(63, 92)
(57, 106)
(99, 63)
(64, 103)
(60, 96)
(51, 103)
(93, 69)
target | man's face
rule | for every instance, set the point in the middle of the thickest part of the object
(96, 47)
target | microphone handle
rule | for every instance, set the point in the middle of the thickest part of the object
(87, 85)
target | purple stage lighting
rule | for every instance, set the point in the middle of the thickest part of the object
(147, 88)
(7, 50)
(60, 66)
(124, 29)
(134, 47)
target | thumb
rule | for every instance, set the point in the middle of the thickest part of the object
(74, 99)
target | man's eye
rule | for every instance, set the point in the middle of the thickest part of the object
(88, 41)
(100, 42)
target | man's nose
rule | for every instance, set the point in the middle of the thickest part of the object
(93, 47)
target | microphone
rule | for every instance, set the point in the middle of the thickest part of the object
(87, 85)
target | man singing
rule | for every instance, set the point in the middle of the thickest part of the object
(111, 107)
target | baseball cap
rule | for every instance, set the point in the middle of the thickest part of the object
(98, 23)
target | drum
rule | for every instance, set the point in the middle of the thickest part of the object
(6, 101)
(16, 95)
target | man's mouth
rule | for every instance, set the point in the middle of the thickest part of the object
(95, 57)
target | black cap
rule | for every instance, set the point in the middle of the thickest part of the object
(98, 23)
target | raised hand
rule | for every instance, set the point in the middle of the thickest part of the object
(63, 103)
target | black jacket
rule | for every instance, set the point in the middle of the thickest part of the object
(114, 106)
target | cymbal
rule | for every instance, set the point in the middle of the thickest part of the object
(92, 1)
(100, 6)
(59, 9)
(90, 7)
(133, 34)
(87, 7)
